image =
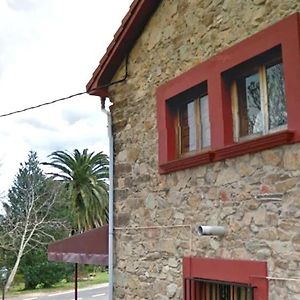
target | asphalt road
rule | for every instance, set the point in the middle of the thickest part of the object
(93, 293)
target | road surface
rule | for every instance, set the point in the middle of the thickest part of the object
(92, 293)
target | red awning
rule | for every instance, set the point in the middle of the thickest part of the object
(90, 247)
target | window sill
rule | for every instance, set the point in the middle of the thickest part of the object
(186, 162)
(254, 145)
(250, 146)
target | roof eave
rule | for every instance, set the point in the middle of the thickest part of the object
(132, 25)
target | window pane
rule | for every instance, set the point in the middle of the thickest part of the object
(184, 129)
(250, 115)
(205, 124)
(192, 126)
(188, 127)
(276, 96)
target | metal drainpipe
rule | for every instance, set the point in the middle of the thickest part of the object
(110, 201)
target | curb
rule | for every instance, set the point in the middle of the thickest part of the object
(41, 293)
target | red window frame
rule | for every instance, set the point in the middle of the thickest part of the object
(286, 34)
(245, 272)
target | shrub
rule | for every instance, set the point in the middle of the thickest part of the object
(38, 271)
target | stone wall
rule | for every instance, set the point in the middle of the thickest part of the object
(166, 209)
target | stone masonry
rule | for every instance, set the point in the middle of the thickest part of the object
(156, 215)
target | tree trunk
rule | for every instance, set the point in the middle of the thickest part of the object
(13, 272)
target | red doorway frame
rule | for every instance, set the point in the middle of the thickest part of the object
(248, 272)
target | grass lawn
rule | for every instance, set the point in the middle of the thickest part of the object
(101, 277)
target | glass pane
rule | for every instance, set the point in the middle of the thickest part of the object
(188, 127)
(205, 124)
(253, 104)
(250, 114)
(276, 96)
(184, 130)
(192, 126)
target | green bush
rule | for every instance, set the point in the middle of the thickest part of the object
(38, 271)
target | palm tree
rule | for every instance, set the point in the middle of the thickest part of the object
(84, 176)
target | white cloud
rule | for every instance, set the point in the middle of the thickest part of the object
(48, 50)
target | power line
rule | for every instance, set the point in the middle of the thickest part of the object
(42, 104)
(73, 95)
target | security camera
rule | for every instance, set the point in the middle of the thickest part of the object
(211, 230)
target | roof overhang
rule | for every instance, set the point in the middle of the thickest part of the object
(90, 247)
(132, 26)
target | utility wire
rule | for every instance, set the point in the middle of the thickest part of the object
(71, 96)
(42, 104)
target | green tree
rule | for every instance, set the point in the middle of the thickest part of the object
(37, 270)
(84, 176)
(29, 220)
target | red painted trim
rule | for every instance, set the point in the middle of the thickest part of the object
(247, 272)
(101, 92)
(219, 110)
(132, 26)
(286, 34)
(187, 162)
(258, 144)
(186, 264)
(261, 291)
(291, 65)
(250, 146)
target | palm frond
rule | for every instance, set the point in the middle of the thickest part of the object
(85, 174)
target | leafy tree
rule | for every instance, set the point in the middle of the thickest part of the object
(28, 220)
(84, 175)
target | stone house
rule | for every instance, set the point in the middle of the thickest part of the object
(206, 132)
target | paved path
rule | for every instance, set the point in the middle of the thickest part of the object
(95, 292)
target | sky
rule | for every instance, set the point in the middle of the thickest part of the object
(49, 50)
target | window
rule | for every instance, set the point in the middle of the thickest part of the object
(258, 97)
(193, 125)
(224, 279)
(191, 122)
(218, 290)
(250, 101)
